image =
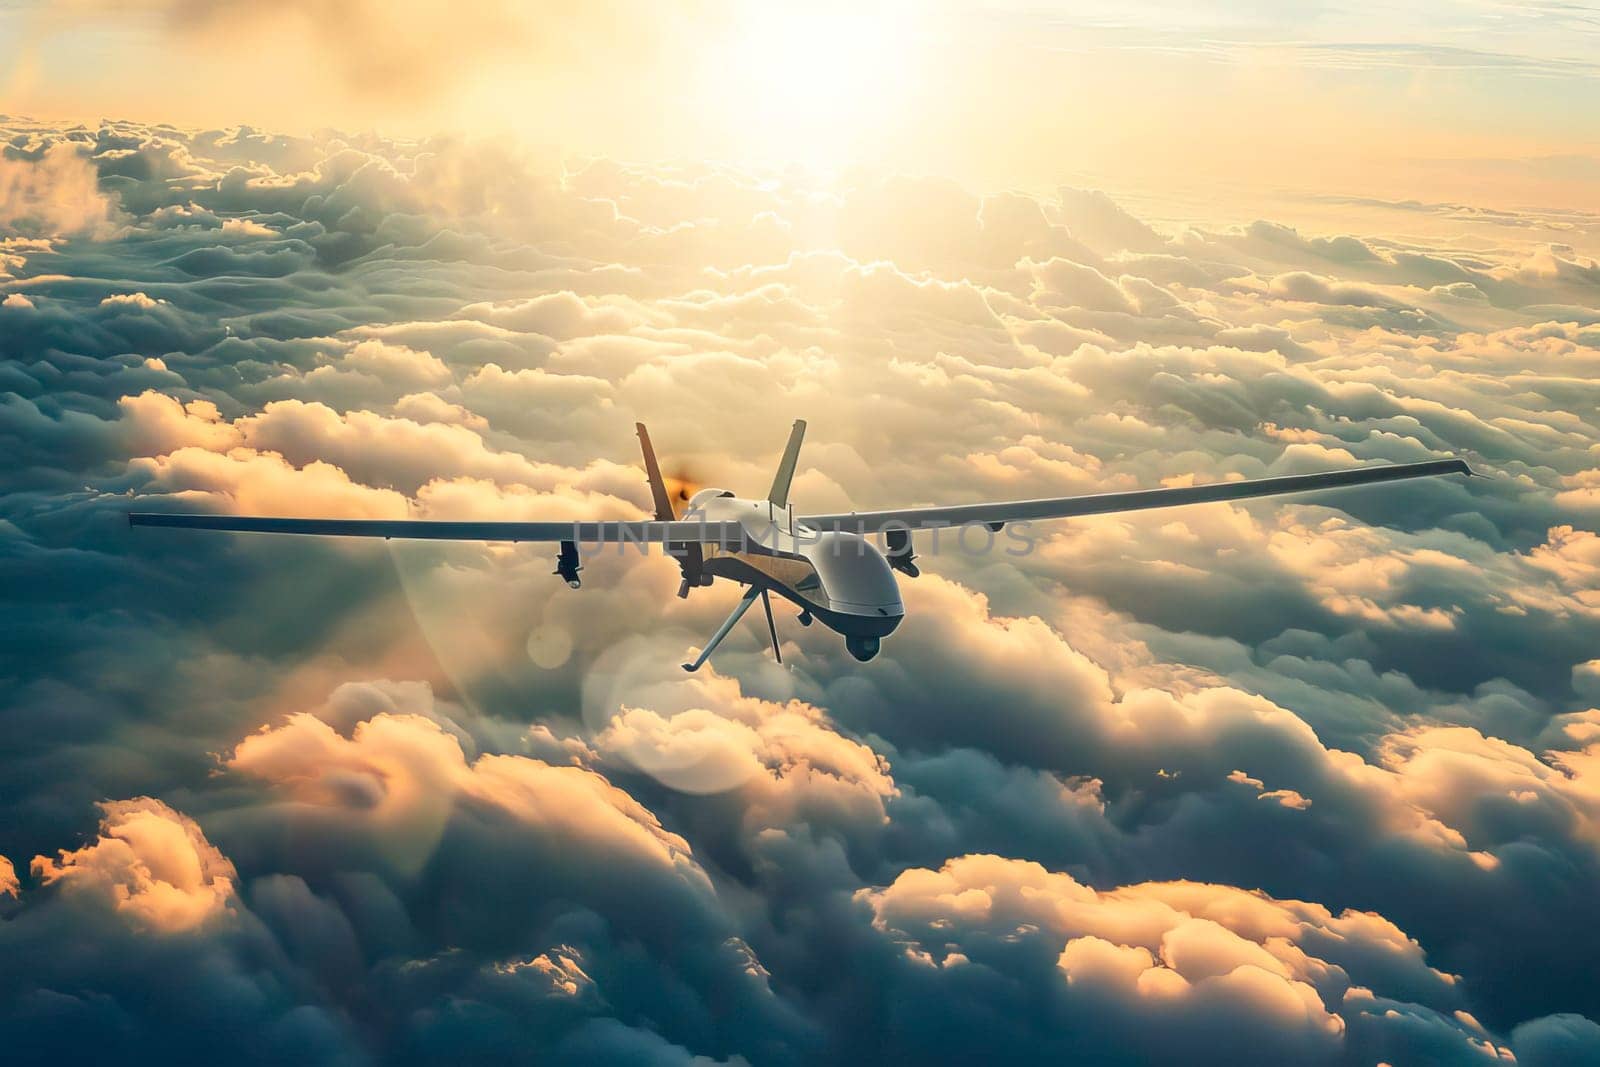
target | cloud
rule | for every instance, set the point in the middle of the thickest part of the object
(1556, 1039)
(51, 192)
(1168, 781)
(1150, 970)
(264, 484)
(705, 736)
(1309, 288)
(503, 835)
(151, 864)
(399, 775)
(560, 315)
(1586, 679)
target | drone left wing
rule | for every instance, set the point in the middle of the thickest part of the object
(996, 515)
(640, 531)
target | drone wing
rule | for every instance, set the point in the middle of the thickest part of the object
(640, 531)
(996, 515)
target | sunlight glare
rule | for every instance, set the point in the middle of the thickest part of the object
(816, 81)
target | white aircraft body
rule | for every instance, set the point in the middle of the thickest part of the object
(824, 564)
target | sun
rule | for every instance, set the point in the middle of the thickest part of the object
(817, 82)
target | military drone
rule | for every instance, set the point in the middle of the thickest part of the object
(825, 564)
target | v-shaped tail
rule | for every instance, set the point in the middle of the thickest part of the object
(791, 455)
(690, 554)
(652, 471)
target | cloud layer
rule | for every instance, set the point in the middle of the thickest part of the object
(1311, 780)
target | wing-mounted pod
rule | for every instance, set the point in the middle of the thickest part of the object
(568, 564)
(900, 554)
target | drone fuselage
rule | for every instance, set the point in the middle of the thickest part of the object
(840, 579)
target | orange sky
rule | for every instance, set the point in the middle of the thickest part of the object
(1454, 99)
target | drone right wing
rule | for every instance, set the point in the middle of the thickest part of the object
(996, 515)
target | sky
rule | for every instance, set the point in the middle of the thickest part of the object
(1310, 780)
(1475, 99)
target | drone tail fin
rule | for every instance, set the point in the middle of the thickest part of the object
(791, 455)
(652, 470)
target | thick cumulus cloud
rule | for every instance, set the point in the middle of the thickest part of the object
(151, 864)
(1156, 971)
(1310, 780)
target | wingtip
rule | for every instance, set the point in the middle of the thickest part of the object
(688, 667)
